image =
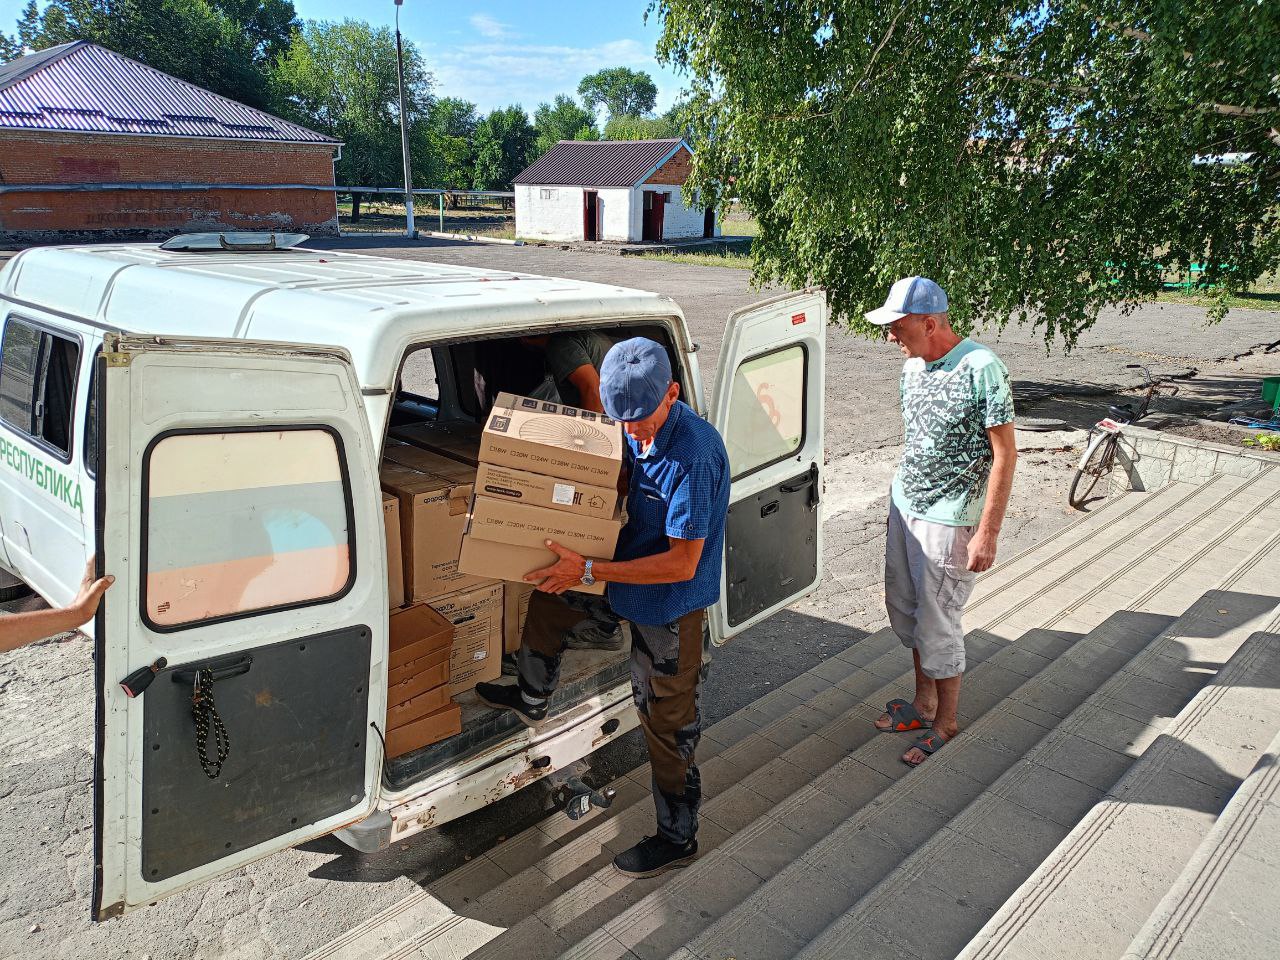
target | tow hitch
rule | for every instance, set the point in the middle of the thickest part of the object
(581, 798)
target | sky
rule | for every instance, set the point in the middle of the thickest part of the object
(505, 51)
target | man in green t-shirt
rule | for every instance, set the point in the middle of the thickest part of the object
(947, 502)
(573, 360)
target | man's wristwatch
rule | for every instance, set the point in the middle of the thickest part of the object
(588, 579)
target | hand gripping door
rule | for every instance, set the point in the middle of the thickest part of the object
(241, 655)
(768, 406)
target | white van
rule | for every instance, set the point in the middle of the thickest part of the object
(158, 402)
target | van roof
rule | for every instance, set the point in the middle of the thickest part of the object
(375, 307)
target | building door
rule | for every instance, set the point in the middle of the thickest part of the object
(654, 207)
(709, 223)
(590, 215)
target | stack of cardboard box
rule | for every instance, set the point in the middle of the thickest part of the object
(545, 471)
(419, 705)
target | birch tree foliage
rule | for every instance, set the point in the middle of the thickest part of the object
(1041, 160)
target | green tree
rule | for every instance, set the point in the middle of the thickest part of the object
(340, 79)
(563, 119)
(1041, 161)
(620, 90)
(631, 127)
(221, 45)
(451, 127)
(505, 140)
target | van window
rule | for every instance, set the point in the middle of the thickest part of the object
(244, 521)
(766, 409)
(38, 382)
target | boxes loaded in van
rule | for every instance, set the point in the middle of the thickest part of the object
(225, 439)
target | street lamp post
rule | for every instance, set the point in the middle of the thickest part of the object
(409, 230)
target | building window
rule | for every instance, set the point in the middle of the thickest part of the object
(242, 522)
(38, 384)
(545, 194)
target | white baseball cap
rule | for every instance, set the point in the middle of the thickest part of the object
(910, 295)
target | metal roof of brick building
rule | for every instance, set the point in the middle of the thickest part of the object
(600, 163)
(84, 88)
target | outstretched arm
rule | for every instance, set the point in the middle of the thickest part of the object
(19, 629)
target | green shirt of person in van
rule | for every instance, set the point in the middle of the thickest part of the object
(574, 359)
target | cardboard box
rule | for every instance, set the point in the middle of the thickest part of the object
(476, 616)
(395, 560)
(509, 562)
(506, 483)
(524, 525)
(416, 632)
(425, 665)
(418, 676)
(515, 610)
(456, 439)
(432, 728)
(554, 440)
(433, 517)
(418, 707)
(428, 461)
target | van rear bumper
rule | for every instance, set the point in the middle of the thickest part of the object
(594, 726)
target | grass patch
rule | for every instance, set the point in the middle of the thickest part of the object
(736, 261)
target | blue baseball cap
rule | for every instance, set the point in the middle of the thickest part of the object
(910, 295)
(634, 377)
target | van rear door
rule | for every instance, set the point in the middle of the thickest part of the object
(768, 406)
(239, 510)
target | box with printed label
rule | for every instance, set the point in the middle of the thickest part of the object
(456, 439)
(554, 440)
(524, 525)
(432, 728)
(509, 562)
(395, 559)
(433, 517)
(507, 483)
(515, 604)
(416, 632)
(476, 616)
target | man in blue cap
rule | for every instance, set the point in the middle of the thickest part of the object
(665, 574)
(947, 503)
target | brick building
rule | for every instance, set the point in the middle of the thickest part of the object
(96, 146)
(623, 190)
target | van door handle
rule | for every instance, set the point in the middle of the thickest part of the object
(811, 483)
(222, 672)
(769, 509)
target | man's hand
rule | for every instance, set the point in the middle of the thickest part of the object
(562, 575)
(982, 550)
(86, 602)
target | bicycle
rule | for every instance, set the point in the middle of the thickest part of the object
(1104, 439)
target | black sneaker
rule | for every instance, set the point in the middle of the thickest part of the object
(510, 665)
(595, 635)
(508, 697)
(653, 855)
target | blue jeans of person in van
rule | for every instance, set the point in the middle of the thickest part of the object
(666, 673)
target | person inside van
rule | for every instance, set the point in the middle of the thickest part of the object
(573, 360)
(666, 574)
(19, 629)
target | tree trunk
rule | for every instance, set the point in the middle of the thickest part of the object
(355, 207)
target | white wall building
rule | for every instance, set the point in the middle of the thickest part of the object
(621, 190)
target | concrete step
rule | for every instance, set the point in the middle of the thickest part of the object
(967, 869)
(1132, 845)
(1225, 897)
(537, 869)
(860, 844)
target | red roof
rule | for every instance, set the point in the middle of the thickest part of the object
(600, 163)
(83, 88)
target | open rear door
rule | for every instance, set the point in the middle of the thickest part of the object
(239, 511)
(768, 406)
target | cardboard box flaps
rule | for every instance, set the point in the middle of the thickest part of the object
(509, 562)
(395, 559)
(433, 518)
(415, 633)
(507, 483)
(430, 701)
(429, 461)
(457, 439)
(515, 610)
(553, 440)
(432, 728)
(476, 616)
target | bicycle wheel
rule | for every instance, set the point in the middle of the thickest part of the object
(1095, 465)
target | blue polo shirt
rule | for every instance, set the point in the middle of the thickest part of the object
(679, 488)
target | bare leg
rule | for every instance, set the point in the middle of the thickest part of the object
(947, 691)
(926, 698)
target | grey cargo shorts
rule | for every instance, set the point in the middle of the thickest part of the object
(926, 585)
